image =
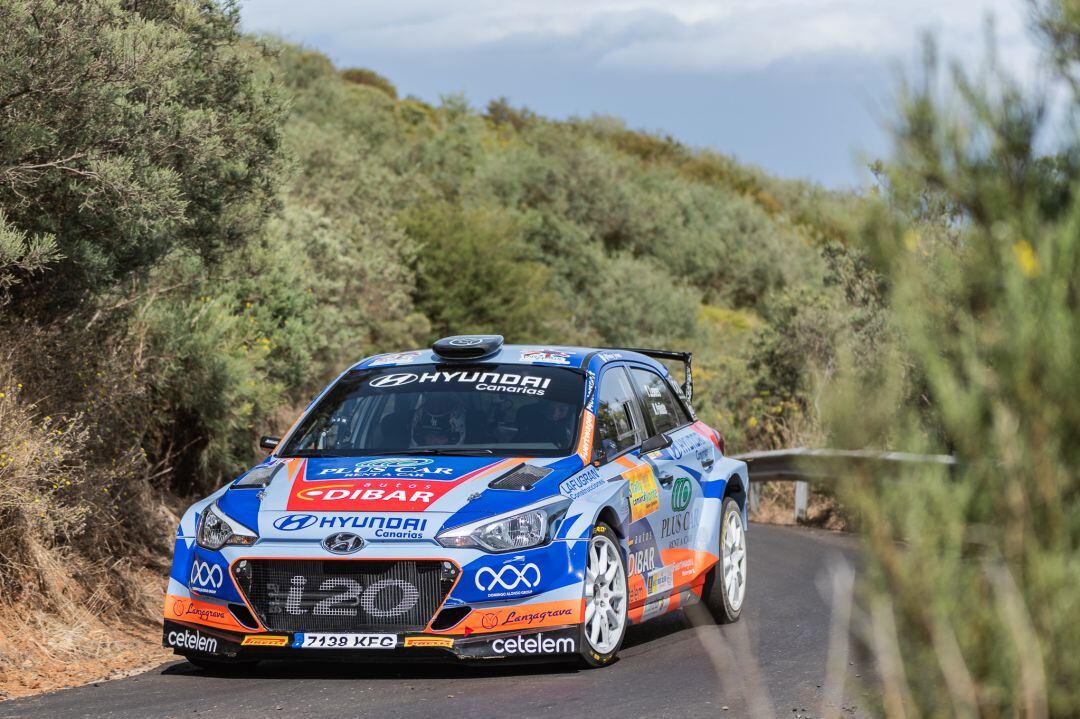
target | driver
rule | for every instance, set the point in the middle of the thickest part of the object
(439, 422)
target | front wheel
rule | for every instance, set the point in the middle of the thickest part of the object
(725, 585)
(606, 596)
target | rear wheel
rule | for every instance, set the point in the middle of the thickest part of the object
(725, 585)
(606, 595)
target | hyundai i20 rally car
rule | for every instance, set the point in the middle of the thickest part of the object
(477, 501)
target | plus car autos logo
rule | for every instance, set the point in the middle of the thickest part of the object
(386, 465)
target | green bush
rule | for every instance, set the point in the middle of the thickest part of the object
(973, 572)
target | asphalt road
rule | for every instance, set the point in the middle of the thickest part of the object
(771, 663)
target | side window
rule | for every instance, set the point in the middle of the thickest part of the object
(661, 408)
(618, 419)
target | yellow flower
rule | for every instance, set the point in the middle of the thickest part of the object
(1025, 257)
(752, 422)
(911, 240)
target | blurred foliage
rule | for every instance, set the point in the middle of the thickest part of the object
(363, 76)
(972, 590)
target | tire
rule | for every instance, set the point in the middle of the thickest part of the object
(215, 666)
(606, 601)
(725, 584)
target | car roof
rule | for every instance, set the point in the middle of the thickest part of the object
(541, 355)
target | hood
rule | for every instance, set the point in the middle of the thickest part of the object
(401, 497)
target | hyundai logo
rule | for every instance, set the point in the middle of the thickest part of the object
(343, 543)
(466, 341)
(294, 522)
(393, 380)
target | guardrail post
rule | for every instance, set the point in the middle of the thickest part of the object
(802, 499)
(755, 496)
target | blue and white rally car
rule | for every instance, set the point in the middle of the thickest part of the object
(477, 500)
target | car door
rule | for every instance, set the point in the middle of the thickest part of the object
(678, 468)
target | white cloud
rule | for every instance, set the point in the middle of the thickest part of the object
(682, 35)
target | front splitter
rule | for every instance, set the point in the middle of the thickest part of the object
(547, 644)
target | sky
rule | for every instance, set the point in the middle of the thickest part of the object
(802, 88)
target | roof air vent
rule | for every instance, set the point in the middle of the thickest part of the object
(467, 347)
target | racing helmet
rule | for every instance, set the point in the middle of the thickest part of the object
(442, 416)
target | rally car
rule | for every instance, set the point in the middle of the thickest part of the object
(473, 501)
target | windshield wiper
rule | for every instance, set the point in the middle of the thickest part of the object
(450, 451)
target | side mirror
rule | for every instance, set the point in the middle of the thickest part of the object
(655, 444)
(267, 442)
(599, 457)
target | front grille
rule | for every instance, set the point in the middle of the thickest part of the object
(316, 595)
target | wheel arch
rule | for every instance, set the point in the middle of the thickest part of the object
(609, 516)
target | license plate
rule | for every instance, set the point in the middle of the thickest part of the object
(322, 640)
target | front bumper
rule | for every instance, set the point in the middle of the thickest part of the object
(484, 603)
(547, 644)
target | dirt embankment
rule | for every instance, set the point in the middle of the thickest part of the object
(42, 651)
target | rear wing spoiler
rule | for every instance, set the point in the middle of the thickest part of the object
(684, 357)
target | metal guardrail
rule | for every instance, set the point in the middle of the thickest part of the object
(801, 464)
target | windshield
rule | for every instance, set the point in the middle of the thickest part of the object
(502, 409)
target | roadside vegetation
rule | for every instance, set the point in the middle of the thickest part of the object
(198, 229)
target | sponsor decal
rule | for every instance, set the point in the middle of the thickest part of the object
(385, 527)
(394, 358)
(590, 387)
(343, 597)
(401, 468)
(400, 493)
(642, 561)
(676, 524)
(659, 409)
(536, 615)
(545, 355)
(440, 642)
(482, 381)
(324, 640)
(542, 617)
(534, 644)
(191, 639)
(343, 543)
(644, 496)
(610, 356)
(581, 483)
(266, 640)
(686, 443)
(661, 581)
(507, 579)
(193, 610)
(684, 568)
(585, 445)
(681, 494)
(206, 577)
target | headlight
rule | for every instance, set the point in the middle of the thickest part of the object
(216, 530)
(503, 534)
